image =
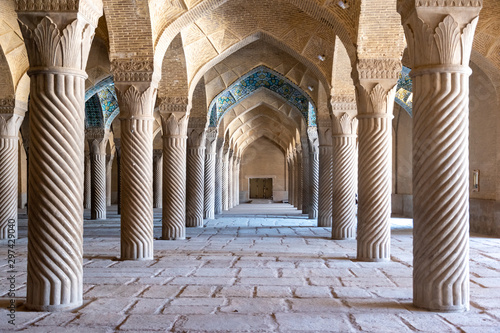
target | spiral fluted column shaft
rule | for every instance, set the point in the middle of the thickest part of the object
(230, 182)
(374, 188)
(306, 188)
(344, 187)
(98, 201)
(137, 188)
(225, 175)
(314, 183)
(218, 184)
(55, 211)
(87, 192)
(209, 192)
(109, 171)
(195, 186)
(441, 191)
(174, 187)
(8, 187)
(157, 180)
(290, 181)
(325, 187)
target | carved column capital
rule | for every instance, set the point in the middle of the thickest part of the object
(312, 135)
(211, 139)
(196, 137)
(325, 131)
(439, 39)
(10, 124)
(135, 102)
(97, 139)
(157, 154)
(174, 124)
(344, 125)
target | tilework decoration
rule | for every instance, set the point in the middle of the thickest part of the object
(109, 105)
(404, 91)
(104, 94)
(93, 112)
(99, 86)
(260, 78)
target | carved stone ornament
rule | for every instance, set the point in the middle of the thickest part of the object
(344, 125)
(10, 124)
(379, 68)
(343, 103)
(173, 104)
(325, 131)
(196, 137)
(132, 70)
(134, 103)
(174, 124)
(376, 101)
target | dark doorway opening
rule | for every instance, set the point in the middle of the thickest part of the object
(261, 188)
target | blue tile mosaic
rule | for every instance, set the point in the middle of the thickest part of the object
(404, 90)
(109, 105)
(103, 93)
(93, 112)
(262, 77)
(99, 86)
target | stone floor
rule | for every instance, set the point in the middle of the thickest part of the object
(273, 272)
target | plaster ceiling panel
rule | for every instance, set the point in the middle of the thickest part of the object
(223, 39)
(192, 34)
(197, 54)
(210, 75)
(214, 87)
(297, 39)
(211, 23)
(229, 77)
(318, 46)
(296, 73)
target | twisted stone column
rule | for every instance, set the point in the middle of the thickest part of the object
(57, 56)
(299, 172)
(375, 101)
(325, 172)
(312, 134)
(109, 173)
(9, 146)
(344, 177)
(98, 138)
(237, 181)
(230, 179)
(440, 152)
(195, 176)
(87, 192)
(290, 178)
(118, 171)
(157, 177)
(306, 177)
(210, 165)
(225, 175)
(136, 103)
(218, 177)
(174, 175)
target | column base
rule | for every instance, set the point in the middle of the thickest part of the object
(373, 259)
(437, 308)
(343, 238)
(54, 308)
(324, 222)
(136, 259)
(173, 238)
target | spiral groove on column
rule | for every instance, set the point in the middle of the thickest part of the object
(314, 183)
(374, 188)
(344, 187)
(137, 195)
(218, 185)
(325, 187)
(174, 188)
(55, 212)
(195, 186)
(230, 182)
(98, 206)
(87, 192)
(109, 171)
(441, 192)
(225, 195)
(209, 190)
(8, 187)
(157, 181)
(306, 180)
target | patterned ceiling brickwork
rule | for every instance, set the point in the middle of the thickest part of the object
(404, 90)
(93, 112)
(262, 77)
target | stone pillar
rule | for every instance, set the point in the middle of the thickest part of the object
(375, 92)
(230, 179)
(174, 174)
(312, 133)
(344, 177)
(157, 177)
(298, 177)
(109, 173)
(87, 192)
(118, 150)
(210, 165)
(98, 138)
(218, 176)
(440, 40)
(195, 174)
(136, 97)
(58, 47)
(325, 173)
(225, 174)
(306, 177)
(236, 195)
(9, 166)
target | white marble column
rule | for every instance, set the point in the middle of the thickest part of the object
(118, 150)
(136, 100)
(312, 133)
(195, 173)
(210, 165)
(109, 173)
(87, 192)
(230, 179)
(440, 38)
(157, 178)
(306, 176)
(299, 176)
(376, 92)
(97, 139)
(344, 177)
(225, 175)
(174, 175)
(9, 162)
(58, 45)
(325, 173)
(218, 176)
